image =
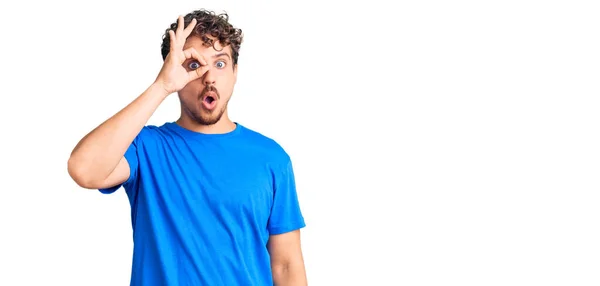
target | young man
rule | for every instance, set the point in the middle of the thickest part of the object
(212, 202)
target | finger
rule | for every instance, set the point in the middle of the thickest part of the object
(179, 25)
(192, 53)
(172, 40)
(197, 73)
(188, 30)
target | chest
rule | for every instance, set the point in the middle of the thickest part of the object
(237, 183)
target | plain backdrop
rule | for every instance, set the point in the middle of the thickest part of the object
(434, 142)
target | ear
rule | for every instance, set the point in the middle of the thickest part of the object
(235, 69)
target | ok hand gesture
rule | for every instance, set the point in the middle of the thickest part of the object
(173, 76)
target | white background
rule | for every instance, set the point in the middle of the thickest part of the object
(438, 143)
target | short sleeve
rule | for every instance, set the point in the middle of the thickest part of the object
(131, 155)
(286, 214)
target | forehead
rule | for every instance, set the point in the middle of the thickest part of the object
(197, 43)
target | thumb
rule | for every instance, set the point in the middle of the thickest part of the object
(197, 73)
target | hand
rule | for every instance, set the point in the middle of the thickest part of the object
(173, 75)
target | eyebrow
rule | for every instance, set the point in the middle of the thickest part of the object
(221, 54)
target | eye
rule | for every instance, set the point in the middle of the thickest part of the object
(220, 64)
(194, 65)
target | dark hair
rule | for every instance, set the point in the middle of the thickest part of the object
(209, 23)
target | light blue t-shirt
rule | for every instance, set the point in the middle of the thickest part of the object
(203, 205)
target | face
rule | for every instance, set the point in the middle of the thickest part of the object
(205, 99)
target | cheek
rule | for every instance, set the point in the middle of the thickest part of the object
(225, 77)
(193, 86)
(226, 82)
(189, 94)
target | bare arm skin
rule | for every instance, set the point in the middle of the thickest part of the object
(98, 159)
(287, 262)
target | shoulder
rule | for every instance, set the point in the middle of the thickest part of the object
(158, 130)
(266, 145)
(154, 134)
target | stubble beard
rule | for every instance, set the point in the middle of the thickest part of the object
(208, 117)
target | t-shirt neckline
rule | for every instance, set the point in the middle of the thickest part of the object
(186, 132)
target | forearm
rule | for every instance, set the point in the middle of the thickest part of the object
(289, 274)
(99, 152)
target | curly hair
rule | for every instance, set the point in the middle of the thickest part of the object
(212, 24)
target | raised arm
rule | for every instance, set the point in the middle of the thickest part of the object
(98, 159)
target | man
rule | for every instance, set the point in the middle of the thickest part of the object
(212, 202)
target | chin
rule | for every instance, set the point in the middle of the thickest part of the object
(207, 121)
(211, 118)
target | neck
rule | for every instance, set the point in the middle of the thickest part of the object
(224, 125)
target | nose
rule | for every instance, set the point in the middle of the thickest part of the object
(209, 78)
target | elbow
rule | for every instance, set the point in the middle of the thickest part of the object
(288, 273)
(280, 270)
(281, 273)
(80, 175)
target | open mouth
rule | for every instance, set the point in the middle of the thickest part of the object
(209, 99)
